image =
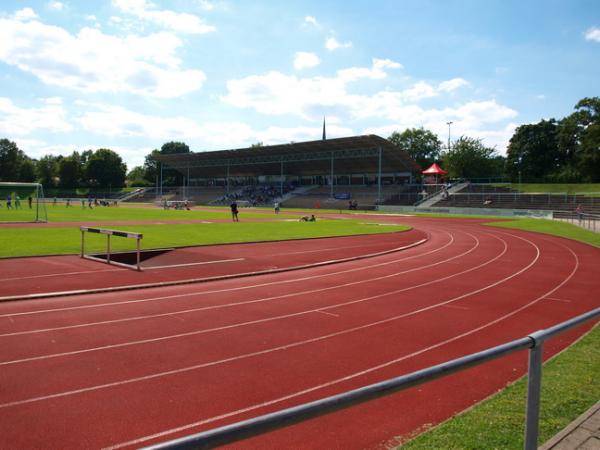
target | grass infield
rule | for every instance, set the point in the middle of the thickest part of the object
(32, 240)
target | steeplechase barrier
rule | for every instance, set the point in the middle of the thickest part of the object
(286, 417)
(126, 234)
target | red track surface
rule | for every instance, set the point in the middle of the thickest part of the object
(130, 368)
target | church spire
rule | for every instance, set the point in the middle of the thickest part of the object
(324, 135)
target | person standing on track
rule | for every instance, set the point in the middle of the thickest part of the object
(234, 211)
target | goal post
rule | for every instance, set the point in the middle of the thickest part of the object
(22, 203)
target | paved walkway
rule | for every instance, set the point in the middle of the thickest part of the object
(582, 434)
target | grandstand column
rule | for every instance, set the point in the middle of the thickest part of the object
(331, 177)
(379, 177)
(227, 181)
(281, 179)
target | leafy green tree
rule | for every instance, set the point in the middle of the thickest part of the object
(70, 171)
(469, 158)
(27, 174)
(421, 144)
(11, 160)
(533, 151)
(135, 177)
(588, 115)
(170, 177)
(105, 168)
(47, 170)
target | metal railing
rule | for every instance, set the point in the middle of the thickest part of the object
(588, 221)
(268, 422)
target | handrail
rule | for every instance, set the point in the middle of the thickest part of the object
(258, 425)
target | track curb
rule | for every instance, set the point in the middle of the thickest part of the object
(206, 279)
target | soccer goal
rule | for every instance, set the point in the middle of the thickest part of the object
(22, 202)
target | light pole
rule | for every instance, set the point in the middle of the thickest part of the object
(449, 124)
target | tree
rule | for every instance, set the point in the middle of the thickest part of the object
(47, 170)
(588, 155)
(70, 171)
(533, 151)
(11, 160)
(27, 174)
(421, 144)
(469, 158)
(105, 168)
(136, 177)
(170, 177)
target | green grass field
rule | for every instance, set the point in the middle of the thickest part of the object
(41, 240)
(545, 188)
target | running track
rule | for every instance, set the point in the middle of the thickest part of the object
(131, 368)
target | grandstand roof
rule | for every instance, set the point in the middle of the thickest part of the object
(356, 154)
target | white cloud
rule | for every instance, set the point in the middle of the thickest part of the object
(377, 70)
(15, 120)
(303, 60)
(25, 14)
(56, 6)
(540, 97)
(333, 44)
(593, 34)
(452, 85)
(181, 22)
(92, 61)
(310, 20)
(206, 5)
(471, 119)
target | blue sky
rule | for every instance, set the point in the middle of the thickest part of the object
(131, 75)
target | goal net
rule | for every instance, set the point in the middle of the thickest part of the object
(22, 202)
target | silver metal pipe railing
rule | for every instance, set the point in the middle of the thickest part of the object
(268, 422)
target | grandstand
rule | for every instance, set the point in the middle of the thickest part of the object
(367, 169)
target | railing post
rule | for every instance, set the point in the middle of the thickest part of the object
(534, 385)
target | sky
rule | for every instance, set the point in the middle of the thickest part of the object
(130, 75)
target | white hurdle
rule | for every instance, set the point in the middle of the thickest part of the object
(126, 234)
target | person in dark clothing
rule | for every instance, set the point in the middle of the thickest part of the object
(234, 211)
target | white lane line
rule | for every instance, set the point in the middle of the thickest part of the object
(558, 299)
(328, 313)
(218, 261)
(296, 394)
(241, 303)
(61, 274)
(456, 307)
(231, 289)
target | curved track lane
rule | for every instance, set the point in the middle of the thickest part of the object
(127, 369)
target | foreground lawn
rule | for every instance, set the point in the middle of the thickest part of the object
(571, 384)
(553, 227)
(48, 241)
(572, 188)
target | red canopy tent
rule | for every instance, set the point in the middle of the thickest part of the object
(434, 170)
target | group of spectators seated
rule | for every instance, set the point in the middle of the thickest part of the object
(256, 195)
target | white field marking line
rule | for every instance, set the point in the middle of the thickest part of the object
(266, 351)
(194, 264)
(456, 307)
(257, 321)
(232, 289)
(558, 299)
(241, 303)
(328, 313)
(347, 377)
(61, 274)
